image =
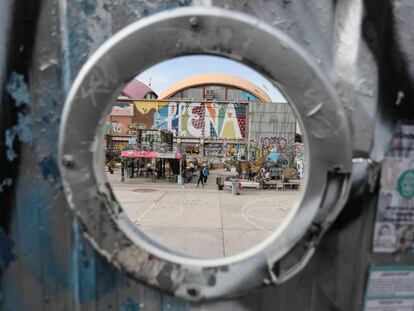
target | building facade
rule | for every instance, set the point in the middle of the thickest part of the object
(212, 117)
(119, 129)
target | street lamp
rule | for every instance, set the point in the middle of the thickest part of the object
(180, 179)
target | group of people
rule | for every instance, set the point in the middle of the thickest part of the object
(263, 175)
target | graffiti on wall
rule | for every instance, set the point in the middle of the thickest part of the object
(194, 119)
(213, 150)
(191, 148)
(235, 150)
(117, 127)
(275, 149)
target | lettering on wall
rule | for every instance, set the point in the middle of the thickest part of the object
(195, 119)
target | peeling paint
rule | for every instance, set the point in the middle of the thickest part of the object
(6, 253)
(146, 8)
(18, 89)
(23, 131)
(5, 183)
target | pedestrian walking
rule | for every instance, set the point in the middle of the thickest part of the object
(206, 171)
(200, 178)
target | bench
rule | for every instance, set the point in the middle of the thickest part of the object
(249, 184)
(290, 186)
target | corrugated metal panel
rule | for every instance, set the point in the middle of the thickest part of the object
(271, 120)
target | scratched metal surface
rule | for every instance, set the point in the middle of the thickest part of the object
(46, 263)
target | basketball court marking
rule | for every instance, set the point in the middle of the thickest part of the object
(144, 190)
(247, 216)
(178, 213)
(150, 208)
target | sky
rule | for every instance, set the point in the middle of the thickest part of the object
(171, 71)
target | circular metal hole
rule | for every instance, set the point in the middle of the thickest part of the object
(237, 37)
(195, 221)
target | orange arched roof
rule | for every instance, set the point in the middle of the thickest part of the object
(216, 79)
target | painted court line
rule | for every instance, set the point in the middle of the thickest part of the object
(150, 208)
(180, 211)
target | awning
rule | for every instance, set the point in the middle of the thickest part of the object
(114, 138)
(150, 154)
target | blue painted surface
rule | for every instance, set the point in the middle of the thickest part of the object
(46, 245)
(6, 250)
(18, 89)
(49, 168)
(22, 131)
(87, 6)
(7, 182)
(130, 305)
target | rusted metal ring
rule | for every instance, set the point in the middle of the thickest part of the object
(199, 31)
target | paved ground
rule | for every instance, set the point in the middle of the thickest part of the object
(202, 222)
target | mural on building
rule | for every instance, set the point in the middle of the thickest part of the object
(277, 150)
(119, 125)
(194, 119)
(191, 149)
(213, 149)
(235, 150)
(117, 128)
(121, 109)
(107, 129)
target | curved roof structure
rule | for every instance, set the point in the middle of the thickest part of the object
(216, 79)
(136, 90)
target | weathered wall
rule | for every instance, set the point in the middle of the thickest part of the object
(271, 120)
(47, 264)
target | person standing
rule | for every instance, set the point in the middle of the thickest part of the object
(200, 177)
(206, 171)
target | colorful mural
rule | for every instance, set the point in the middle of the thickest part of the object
(192, 149)
(235, 150)
(213, 149)
(275, 149)
(194, 119)
(121, 109)
(120, 125)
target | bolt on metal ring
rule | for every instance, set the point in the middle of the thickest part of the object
(194, 22)
(68, 160)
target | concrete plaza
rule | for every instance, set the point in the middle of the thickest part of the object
(202, 222)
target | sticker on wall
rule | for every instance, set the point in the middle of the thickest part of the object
(390, 288)
(394, 227)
